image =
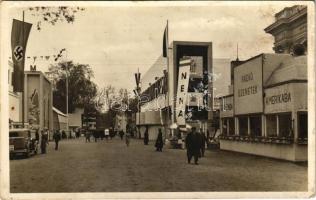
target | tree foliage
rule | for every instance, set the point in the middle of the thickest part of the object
(53, 15)
(82, 91)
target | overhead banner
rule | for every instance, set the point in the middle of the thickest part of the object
(19, 36)
(182, 92)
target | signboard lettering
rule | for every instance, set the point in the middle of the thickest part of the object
(183, 84)
(248, 87)
(280, 98)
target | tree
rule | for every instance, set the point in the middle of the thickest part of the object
(53, 15)
(82, 91)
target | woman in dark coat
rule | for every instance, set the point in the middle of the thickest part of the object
(159, 141)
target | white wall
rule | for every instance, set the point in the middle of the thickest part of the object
(15, 112)
(75, 117)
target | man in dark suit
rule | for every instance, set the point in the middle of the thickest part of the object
(193, 145)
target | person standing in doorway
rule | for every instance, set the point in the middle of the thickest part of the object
(56, 137)
(193, 146)
(159, 141)
(146, 136)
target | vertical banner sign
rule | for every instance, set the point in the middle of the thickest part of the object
(183, 84)
(19, 35)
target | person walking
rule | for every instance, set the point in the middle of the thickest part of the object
(193, 146)
(111, 132)
(202, 142)
(87, 136)
(57, 138)
(63, 134)
(121, 134)
(69, 134)
(146, 136)
(95, 135)
(159, 141)
(37, 136)
(127, 138)
(77, 133)
(44, 141)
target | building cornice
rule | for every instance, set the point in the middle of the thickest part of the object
(284, 21)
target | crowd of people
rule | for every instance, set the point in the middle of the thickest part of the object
(195, 145)
(195, 141)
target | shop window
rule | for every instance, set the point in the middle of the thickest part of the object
(255, 125)
(231, 128)
(224, 126)
(285, 125)
(271, 123)
(243, 125)
(302, 125)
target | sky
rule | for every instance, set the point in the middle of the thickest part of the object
(117, 41)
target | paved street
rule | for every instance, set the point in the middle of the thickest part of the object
(113, 167)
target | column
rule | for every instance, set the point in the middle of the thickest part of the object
(236, 126)
(248, 120)
(41, 111)
(221, 125)
(25, 93)
(263, 128)
(227, 127)
(278, 129)
(294, 124)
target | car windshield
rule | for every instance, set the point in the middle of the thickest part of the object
(18, 134)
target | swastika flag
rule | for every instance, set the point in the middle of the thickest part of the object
(19, 35)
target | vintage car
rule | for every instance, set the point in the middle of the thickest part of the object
(22, 141)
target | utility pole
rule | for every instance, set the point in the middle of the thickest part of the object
(67, 93)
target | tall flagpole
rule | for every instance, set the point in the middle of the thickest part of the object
(168, 80)
(23, 106)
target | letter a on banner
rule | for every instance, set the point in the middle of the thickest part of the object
(183, 84)
(19, 36)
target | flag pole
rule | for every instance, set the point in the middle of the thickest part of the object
(23, 106)
(168, 70)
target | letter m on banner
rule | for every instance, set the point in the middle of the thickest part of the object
(19, 36)
(182, 92)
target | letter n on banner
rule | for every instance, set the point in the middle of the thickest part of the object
(182, 92)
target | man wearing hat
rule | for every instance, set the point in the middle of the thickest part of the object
(193, 146)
